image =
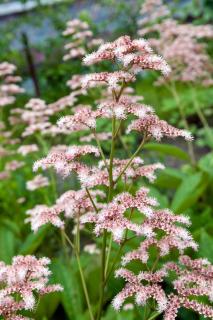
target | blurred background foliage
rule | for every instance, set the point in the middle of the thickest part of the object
(183, 187)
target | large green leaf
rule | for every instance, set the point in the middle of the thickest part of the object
(188, 192)
(206, 247)
(72, 299)
(206, 164)
(111, 314)
(7, 244)
(169, 178)
(167, 149)
(47, 306)
(33, 241)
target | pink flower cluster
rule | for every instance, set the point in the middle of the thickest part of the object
(37, 114)
(37, 182)
(81, 39)
(180, 44)
(26, 149)
(66, 161)
(152, 126)
(125, 213)
(135, 54)
(20, 283)
(8, 84)
(194, 278)
(72, 203)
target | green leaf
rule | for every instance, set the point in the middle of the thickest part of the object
(7, 244)
(206, 164)
(47, 306)
(167, 149)
(121, 315)
(169, 178)
(162, 199)
(33, 241)
(206, 247)
(188, 192)
(67, 276)
(11, 225)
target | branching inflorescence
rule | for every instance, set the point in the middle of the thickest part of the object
(124, 212)
(21, 282)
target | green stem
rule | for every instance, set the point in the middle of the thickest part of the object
(173, 90)
(81, 275)
(100, 149)
(153, 316)
(63, 240)
(84, 287)
(92, 201)
(77, 237)
(108, 254)
(201, 115)
(119, 252)
(111, 183)
(103, 252)
(103, 258)
(132, 158)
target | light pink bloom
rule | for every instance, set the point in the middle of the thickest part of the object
(37, 182)
(66, 161)
(142, 290)
(14, 165)
(27, 277)
(156, 128)
(25, 149)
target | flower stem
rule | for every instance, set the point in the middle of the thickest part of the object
(103, 252)
(84, 287)
(81, 275)
(100, 149)
(92, 201)
(201, 115)
(186, 125)
(154, 315)
(103, 258)
(132, 158)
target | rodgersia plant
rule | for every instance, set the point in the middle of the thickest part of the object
(20, 283)
(184, 47)
(8, 84)
(118, 212)
(82, 39)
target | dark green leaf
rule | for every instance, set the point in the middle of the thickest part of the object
(206, 248)
(188, 192)
(167, 149)
(67, 276)
(7, 244)
(33, 241)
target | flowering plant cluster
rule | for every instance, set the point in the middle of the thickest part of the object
(20, 282)
(8, 84)
(81, 39)
(180, 44)
(110, 213)
(117, 211)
